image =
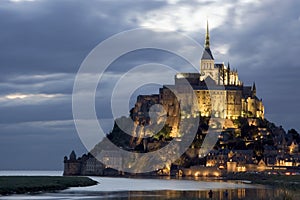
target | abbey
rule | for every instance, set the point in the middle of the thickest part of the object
(219, 92)
(247, 142)
(239, 100)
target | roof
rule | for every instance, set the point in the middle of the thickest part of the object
(219, 65)
(209, 81)
(247, 91)
(207, 55)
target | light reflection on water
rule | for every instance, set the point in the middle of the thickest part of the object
(156, 189)
(242, 193)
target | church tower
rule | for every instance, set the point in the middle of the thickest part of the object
(207, 63)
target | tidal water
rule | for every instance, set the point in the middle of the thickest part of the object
(157, 189)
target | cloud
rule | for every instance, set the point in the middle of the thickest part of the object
(25, 99)
(21, 0)
(30, 96)
(38, 83)
(179, 15)
(37, 145)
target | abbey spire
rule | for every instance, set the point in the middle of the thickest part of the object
(207, 55)
(207, 37)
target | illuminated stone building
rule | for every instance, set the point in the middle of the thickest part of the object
(218, 89)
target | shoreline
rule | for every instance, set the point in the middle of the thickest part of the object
(10, 185)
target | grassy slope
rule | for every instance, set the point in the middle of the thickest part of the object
(31, 184)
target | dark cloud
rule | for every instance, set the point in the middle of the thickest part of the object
(37, 146)
(54, 109)
(55, 36)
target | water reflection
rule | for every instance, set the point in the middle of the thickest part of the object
(233, 194)
(245, 194)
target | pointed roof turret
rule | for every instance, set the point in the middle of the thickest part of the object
(73, 155)
(207, 55)
(254, 89)
(228, 74)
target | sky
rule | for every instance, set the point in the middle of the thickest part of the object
(44, 42)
